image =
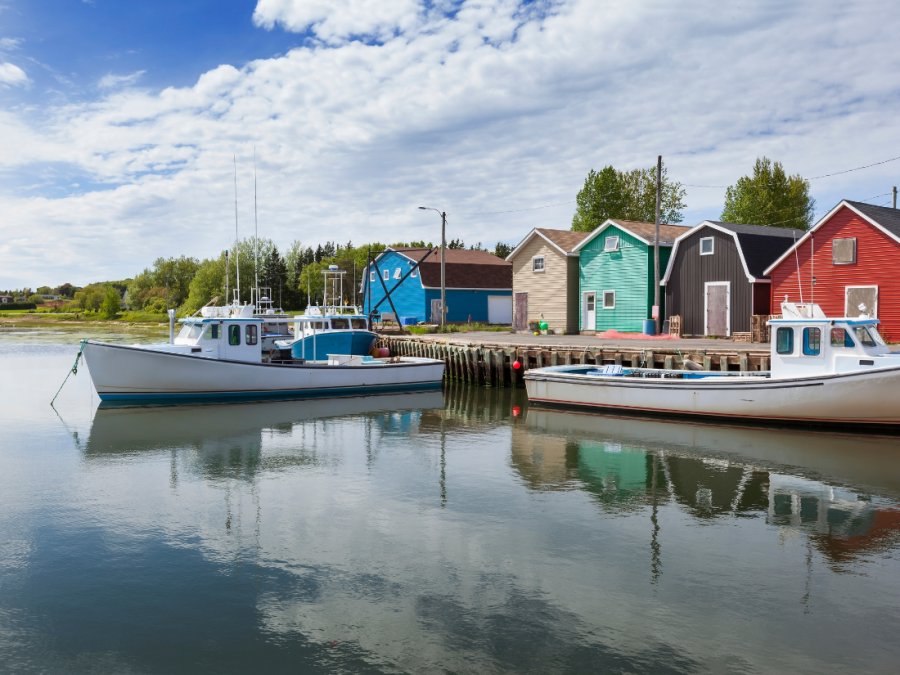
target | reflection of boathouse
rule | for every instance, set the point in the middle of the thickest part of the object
(623, 477)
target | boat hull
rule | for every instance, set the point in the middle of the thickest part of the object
(122, 373)
(850, 399)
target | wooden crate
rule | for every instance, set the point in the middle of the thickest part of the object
(759, 330)
(740, 337)
(675, 325)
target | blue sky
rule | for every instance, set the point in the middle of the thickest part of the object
(120, 121)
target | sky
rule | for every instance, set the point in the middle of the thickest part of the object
(122, 123)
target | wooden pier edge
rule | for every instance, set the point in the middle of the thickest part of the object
(493, 365)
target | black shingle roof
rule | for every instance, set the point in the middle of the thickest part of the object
(762, 244)
(888, 218)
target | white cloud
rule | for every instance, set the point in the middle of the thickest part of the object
(335, 19)
(499, 107)
(111, 81)
(10, 44)
(12, 75)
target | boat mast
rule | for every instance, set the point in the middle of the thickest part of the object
(237, 257)
(256, 234)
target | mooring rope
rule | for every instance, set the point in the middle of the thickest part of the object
(73, 371)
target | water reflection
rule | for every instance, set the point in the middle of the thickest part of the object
(713, 472)
(435, 532)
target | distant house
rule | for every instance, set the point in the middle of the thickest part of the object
(5, 299)
(852, 254)
(545, 279)
(616, 275)
(479, 285)
(49, 296)
(716, 279)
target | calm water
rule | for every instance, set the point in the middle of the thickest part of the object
(430, 533)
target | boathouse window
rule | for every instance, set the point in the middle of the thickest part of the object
(397, 273)
(414, 273)
(784, 340)
(843, 251)
(386, 275)
(609, 299)
(707, 246)
(812, 341)
(358, 323)
(213, 332)
(611, 244)
(372, 276)
(234, 335)
(251, 335)
(840, 337)
(537, 263)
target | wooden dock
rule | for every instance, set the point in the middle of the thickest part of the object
(492, 363)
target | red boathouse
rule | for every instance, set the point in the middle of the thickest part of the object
(848, 264)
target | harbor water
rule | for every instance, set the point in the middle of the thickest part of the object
(442, 532)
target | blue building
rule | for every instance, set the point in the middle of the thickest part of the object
(479, 285)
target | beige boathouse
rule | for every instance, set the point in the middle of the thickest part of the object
(545, 280)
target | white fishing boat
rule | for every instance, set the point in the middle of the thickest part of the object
(824, 371)
(219, 355)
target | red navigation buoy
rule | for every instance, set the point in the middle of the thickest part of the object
(516, 365)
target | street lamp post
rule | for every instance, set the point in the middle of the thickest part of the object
(443, 215)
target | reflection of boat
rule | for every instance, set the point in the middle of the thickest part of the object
(871, 461)
(127, 429)
(824, 371)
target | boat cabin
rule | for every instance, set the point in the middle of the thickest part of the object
(230, 339)
(807, 343)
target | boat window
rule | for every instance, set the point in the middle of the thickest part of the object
(340, 324)
(812, 341)
(784, 340)
(196, 330)
(865, 337)
(185, 331)
(234, 335)
(358, 323)
(213, 332)
(840, 337)
(251, 334)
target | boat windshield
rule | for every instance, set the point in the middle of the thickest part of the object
(840, 337)
(868, 336)
(358, 323)
(340, 324)
(191, 331)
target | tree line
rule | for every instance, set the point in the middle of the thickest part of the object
(768, 196)
(293, 279)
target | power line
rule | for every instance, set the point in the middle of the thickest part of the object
(531, 208)
(826, 175)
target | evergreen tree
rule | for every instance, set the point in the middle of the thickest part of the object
(320, 254)
(769, 197)
(502, 250)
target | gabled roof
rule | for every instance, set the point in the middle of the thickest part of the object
(564, 241)
(881, 217)
(464, 269)
(757, 245)
(645, 232)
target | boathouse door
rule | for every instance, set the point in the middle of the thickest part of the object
(521, 316)
(590, 311)
(718, 308)
(436, 311)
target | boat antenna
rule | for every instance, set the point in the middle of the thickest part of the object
(799, 280)
(256, 233)
(237, 257)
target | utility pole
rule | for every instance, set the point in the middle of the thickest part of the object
(443, 268)
(894, 197)
(656, 243)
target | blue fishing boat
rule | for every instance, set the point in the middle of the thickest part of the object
(322, 331)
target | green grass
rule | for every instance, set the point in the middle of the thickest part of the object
(458, 328)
